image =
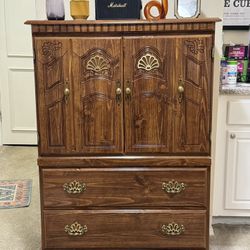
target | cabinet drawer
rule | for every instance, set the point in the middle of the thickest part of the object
(142, 229)
(238, 112)
(123, 187)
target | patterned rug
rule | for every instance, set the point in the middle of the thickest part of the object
(15, 193)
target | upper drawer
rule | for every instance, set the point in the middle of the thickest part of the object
(123, 187)
(238, 112)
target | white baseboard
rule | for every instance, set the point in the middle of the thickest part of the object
(231, 220)
(211, 231)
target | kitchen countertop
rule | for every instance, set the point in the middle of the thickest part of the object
(238, 89)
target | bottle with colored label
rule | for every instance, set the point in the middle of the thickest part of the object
(232, 71)
(223, 70)
(242, 70)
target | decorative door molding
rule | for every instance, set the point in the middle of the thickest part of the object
(17, 88)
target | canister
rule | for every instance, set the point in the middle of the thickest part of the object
(79, 9)
(232, 71)
(242, 70)
(223, 70)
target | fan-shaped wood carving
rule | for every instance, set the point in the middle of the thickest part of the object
(97, 64)
(148, 62)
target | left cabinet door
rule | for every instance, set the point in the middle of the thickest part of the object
(98, 98)
(54, 97)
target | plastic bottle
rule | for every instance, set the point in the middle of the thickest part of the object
(223, 71)
(232, 72)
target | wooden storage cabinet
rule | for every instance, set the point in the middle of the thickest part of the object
(124, 122)
(122, 95)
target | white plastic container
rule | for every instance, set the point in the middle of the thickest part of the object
(232, 72)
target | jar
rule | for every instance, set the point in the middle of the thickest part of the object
(55, 9)
(248, 72)
(79, 9)
(242, 70)
(223, 70)
(232, 71)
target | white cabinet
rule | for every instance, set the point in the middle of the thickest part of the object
(237, 189)
(231, 194)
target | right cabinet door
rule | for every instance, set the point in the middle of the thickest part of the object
(147, 88)
(192, 94)
(237, 191)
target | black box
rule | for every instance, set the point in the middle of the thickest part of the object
(118, 9)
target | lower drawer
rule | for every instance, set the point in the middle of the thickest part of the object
(125, 229)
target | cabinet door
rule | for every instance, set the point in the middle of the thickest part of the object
(98, 104)
(192, 95)
(147, 85)
(54, 103)
(237, 191)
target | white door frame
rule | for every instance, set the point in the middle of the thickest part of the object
(16, 71)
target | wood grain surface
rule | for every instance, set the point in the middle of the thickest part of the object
(130, 229)
(118, 27)
(124, 161)
(123, 107)
(142, 187)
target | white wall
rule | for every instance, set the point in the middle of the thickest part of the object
(236, 36)
(207, 6)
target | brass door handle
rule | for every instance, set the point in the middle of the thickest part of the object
(173, 187)
(74, 187)
(118, 91)
(128, 93)
(75, 229)
(66, 90)
(181, 90)
(118, 95)
(66, 94)
(128, 90)
(172, 229)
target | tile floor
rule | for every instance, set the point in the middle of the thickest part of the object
(20, 228)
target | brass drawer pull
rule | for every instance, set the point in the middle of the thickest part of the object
(76, 229)
(172, 229)
(173, 187)
(74, 187)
